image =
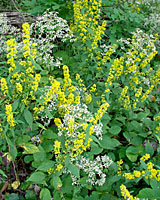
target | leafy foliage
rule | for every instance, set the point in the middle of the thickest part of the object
(89, 129)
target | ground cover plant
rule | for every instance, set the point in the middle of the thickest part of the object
(79, 111)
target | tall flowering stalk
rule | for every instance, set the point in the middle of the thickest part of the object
(12, 51)
(86, 15)
(9, 115)
(4, 87)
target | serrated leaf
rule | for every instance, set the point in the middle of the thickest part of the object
(30, 148)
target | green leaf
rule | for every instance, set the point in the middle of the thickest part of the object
(67, 161)
(12, 196)
(129, 135)
(12, 149)
(73, 169)
(90, 31)
(45, 194)
(147, 193)
(28, 117)
(87, 132)
(115, 130)
(30, 148)
(67, 185)
(49, 134)
(56, 182)
(40, 125)
(37, 178)
(15, 104)
(46, 165)
(136, 126)
(3, 174)
(95, 149)
(30, 195)
(44, 72)
(37, 67)
(149, 149)
(109, 143)
(133, 152)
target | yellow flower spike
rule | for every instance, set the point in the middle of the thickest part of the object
(137, 173)
(88, 98)
(145, 157)
(9, 115)
(57, 146)
(19, 87)
(126, 194)
(4, 86)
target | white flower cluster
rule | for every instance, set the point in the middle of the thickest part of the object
(138, 43)
(80, 115)
(140, 40)
(6, 30)
(48, 31)
(45, 115)
(93, 169)
(35, 139)
(151, 13)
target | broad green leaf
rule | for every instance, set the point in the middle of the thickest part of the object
(45, 194)
(49, 134)
(56, 182)
(30, 195)
(30, 148)
(44, 72)
(95, 149)
(28, 117)
(73, 169)
(147, 193)
(149, 149)
(46, 165)
(37, 178)
(95, 139)
(109, 143)
(136, 126)
(67, 185)
(129, 135)
(12, 196)
(133, 152)
(115, 130)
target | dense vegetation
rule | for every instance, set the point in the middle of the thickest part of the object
(79, 100)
